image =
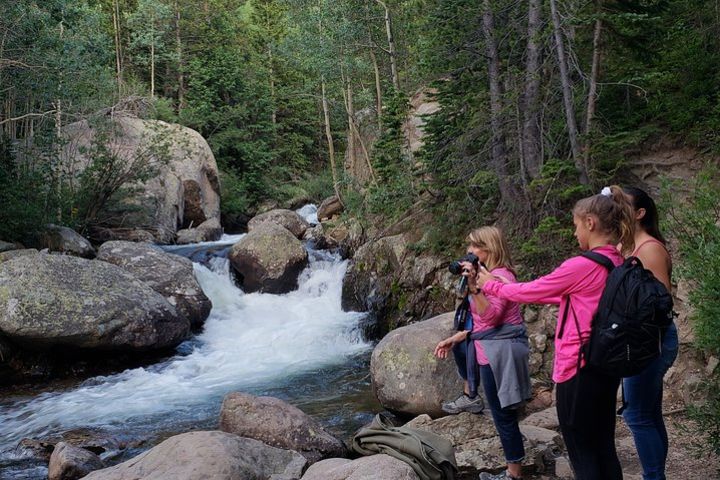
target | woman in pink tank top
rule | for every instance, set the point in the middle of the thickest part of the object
(585, 397)
(644, 392)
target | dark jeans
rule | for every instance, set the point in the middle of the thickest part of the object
(643, 415)
(460, 355)
(505, 420)
(586, 411)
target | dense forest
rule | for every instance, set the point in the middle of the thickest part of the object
(541, 102)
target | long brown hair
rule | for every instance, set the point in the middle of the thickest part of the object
(492, 240)
(615, 215)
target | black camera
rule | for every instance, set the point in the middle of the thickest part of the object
(457, 269)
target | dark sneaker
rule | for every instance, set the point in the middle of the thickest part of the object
(498, 476)
(464, 404)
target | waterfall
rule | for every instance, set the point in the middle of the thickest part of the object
(251, 342)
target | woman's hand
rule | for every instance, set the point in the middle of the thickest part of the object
(443, 347)
(483, 276)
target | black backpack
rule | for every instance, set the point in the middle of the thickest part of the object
(634, 312)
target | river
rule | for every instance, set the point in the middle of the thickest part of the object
(300, 346)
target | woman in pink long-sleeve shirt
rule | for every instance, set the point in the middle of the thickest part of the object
(585, 398)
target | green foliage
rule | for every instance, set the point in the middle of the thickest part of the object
(696, 226)
(548, 245)
(22, 196)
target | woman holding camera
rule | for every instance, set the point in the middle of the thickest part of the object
(496, 345)
(585, 397)
(644, 392)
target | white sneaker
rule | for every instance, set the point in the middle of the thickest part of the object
(464, 404)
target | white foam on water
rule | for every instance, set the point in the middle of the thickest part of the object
(249, 341)
(309, 213)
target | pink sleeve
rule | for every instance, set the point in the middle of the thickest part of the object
(546, 289)
(493, 314)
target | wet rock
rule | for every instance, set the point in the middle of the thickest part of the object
(329, 207)
(349, 235)
(70, 463)
(208, 455)
(66, 240)
(285, 218)
(407, 378)
(317, 238)
(170, 275)
(268, 259)
(208, 231)
(373, 467)
(279, 424)
(60, 301)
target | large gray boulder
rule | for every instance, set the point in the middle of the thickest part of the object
(208, 455)
(170, 275)
(184, 191)
(373, 467)
(268, 259)
(70, 463)
(66, 240)
(407, 377)
(7, 246)
(279, 424)
(285, 218)
(63, 301)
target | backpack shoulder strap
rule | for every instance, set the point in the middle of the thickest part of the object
(600, 258)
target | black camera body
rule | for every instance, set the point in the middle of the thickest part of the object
(457, 269)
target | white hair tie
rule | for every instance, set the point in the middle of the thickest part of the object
(606, 192)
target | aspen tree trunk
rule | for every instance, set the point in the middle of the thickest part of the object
(152, 57)
(328, 136)
(391, 46)
(347, 100)
(378, 89)
(531, 135)
(178, 50)
(498, 149)
(118, 53)
(567, 93)
(592, 91)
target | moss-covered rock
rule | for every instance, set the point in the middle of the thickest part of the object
(407, 378)
(60, 301)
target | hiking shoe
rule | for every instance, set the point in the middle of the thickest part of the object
(464, 404)
(499, 476)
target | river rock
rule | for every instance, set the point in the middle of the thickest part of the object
(407, 377)
(66, 240)
(63, 301)
(285, 218)
(184, 191)
(208, 455)
(10, 254)
(317, 238)
(373, 467)
(208, 231)
(70, 463)
(279, 424)
(348, 234)
(329, 207)
(268, 259)
(170, 275)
